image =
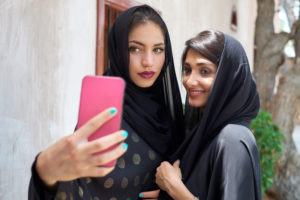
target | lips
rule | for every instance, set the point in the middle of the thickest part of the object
(195, 93)
(146, 74)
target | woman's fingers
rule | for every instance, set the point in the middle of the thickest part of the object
(176, 163)
(93, 124)
(92, 166)
(104, 142)
(106, 157)
(150, 194)
(163, 165)
(72, 156)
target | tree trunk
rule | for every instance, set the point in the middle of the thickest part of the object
(285, 109)
(284, 105)
(289, 10)
(268, 52)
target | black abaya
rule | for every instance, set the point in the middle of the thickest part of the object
(219, 158)
(153, 118)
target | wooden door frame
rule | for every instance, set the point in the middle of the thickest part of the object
(119, 5)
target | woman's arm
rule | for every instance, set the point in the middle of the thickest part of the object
(37, 189)
(168, 178)
(72, 156)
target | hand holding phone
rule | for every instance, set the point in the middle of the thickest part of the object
(72, 157)
(97, 94)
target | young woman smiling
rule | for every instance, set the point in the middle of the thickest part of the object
(219, 157)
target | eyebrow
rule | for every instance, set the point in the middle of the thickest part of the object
(199, 64)
(139, 43)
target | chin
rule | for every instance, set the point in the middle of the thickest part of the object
(195, 103)
(145, 84)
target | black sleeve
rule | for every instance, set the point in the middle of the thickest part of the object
(233, 175)
(37, 189)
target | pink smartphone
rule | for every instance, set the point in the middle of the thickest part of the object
(97, 94)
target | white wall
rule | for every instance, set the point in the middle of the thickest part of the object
(47, 46)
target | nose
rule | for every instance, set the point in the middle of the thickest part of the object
(148, 59)
(192, 80)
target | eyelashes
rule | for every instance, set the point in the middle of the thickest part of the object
(135, 49)
(205, 71)
(202, 70)
(159, 50)
(186, 70)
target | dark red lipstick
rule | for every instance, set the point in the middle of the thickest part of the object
(147, 74)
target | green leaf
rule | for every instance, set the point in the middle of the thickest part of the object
(269, 141)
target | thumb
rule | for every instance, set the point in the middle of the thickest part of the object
(176, 163)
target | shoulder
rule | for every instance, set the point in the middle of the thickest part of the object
(234, 133)
(235, 161)
(236, 139)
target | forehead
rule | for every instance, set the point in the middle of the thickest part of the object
(147, 32)
(193, 57)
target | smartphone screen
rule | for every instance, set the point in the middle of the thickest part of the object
(97, 94)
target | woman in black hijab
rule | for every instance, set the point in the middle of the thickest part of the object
(219, 158)
(140, 53)
(156, 108)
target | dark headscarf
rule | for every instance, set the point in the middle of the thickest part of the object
(233, 99)
(155, 113)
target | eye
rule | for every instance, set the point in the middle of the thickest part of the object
(158, 50)
(134, 49)
(186, 70)
(205, 71)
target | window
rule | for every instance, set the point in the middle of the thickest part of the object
(234, 19)
(107, 11)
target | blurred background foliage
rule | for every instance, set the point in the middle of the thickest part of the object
(269, 141)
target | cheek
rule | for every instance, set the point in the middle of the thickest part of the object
(184, 79)
(160, 60)
(210, 83)
(133, 61)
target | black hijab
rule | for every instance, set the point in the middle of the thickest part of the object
(233, 99)
(155, 113)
